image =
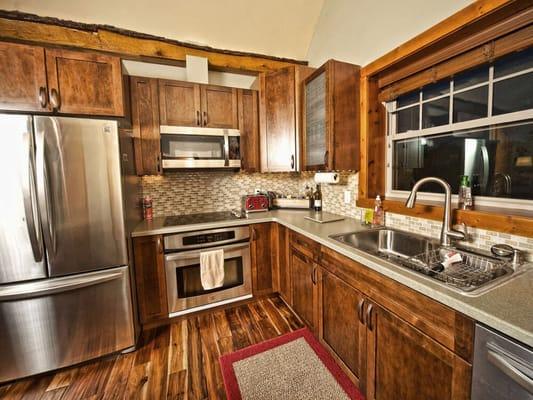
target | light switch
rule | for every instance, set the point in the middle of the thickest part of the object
(347, 196)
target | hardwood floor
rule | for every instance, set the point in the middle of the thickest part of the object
(178, 361)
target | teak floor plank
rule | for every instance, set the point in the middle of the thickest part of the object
(177, 361)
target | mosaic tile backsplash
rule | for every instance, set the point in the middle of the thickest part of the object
(205, 191)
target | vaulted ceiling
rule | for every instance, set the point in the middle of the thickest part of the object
(281, 28)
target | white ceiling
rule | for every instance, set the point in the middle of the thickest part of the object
(275, 27)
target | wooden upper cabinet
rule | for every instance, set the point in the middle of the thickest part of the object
(304, 278)
(179, 103)
(150, 278)
(404, 363)
(330, 134)
(262, 256)
(248, 106)
(339, 327)
(22, 78)
(280, 111)
(219, 107)
(145, 122)
(84, 83)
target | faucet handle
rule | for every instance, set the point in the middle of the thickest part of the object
(464, 230)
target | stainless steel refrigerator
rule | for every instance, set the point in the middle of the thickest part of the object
(64, 277)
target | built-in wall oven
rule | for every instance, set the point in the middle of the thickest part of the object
(192, 147)
(182, 264)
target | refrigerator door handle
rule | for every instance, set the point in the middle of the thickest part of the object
(31, 211)
(49, 287)
(43, 189)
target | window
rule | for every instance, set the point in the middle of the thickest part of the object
(477, 123)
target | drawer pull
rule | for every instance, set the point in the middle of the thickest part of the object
(360, 306)
(369, 317)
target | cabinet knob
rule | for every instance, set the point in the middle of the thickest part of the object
(43, 98)
(326, 154)
(369, 317)
(205, 118)
(198, 117)
(360, 306)
(292, 161)
(55, 99)
(158, 163)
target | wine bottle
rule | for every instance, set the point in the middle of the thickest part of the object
(317, 199)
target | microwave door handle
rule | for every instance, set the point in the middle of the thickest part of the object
(500, 361)
(196, 253)
(226, 148)
(31, 211)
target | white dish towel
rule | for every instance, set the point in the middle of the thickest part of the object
(212, 269)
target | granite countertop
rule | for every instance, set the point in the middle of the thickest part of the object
(507, 308)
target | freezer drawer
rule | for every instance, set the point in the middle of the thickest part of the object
(45, 325)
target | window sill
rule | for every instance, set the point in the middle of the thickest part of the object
(515, 222)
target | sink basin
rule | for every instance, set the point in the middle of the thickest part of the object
(474, 274)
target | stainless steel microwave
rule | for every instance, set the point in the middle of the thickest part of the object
(195, 147)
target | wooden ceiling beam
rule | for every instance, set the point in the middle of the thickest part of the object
(29, 28)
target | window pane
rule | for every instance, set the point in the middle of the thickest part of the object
(471, 104)
(514, 94)
(498, 161)
(470, 78)
(436, 89)
(513, 63)
(407, 120)
(408, 98)
(435, 113)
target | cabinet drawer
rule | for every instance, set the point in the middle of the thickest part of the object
(447, 326)
(304, 245)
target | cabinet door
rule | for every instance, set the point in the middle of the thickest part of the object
(283, 264)
(278, 121)
(249, 128)
(179, 103)
(403, 363)
(145, 120)
(219, 107)
(315, 143)
(304, 288)
(262, 254)
(22, 78)
(340, 329)
(150, 278)
(84, 83)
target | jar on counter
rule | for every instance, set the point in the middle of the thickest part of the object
(148, 211)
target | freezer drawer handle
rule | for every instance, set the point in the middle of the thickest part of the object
(45, 288)
(497, 357)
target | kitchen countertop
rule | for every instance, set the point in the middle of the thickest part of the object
(507, 308)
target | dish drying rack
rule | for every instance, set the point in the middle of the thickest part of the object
(468, 274)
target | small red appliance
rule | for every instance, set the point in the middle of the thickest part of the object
(255, 203)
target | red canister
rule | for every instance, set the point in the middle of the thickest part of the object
(148, 211)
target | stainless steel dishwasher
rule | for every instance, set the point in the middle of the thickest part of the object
(503, 368)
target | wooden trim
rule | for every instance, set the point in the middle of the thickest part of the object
(17, 26)
(494, 220)
(452, 24)
(485, 53)
(478, 38)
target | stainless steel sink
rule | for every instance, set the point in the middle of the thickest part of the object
(474, 274)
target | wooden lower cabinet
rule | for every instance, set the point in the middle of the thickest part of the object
(150, 278)
(304, 288)
(339, 328)
(403, 363)
(284, 272)
(262, 257)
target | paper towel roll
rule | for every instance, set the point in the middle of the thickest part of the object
(327, 177)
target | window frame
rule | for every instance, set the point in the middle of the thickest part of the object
(392, 136)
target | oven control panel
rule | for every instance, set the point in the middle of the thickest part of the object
(203, 239)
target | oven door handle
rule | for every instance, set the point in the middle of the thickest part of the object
(196, 253)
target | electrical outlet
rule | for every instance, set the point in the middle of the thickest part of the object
(347, 196)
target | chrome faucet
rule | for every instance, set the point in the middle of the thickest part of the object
(447, 233)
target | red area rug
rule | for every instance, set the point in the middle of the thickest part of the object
(291, 366)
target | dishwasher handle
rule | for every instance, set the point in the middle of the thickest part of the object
(510, 366)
